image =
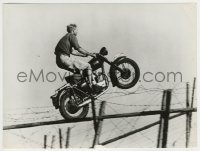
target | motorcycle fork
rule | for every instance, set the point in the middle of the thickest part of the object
(113, 64)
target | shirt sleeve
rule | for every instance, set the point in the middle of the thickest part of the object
(74, 42)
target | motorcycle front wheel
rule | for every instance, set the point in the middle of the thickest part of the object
(69, 111)
(130, 76)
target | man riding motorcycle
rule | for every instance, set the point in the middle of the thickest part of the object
(91, 80)
(64, 52)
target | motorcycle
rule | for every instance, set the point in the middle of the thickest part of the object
(74, 97)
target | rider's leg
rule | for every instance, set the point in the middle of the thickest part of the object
(90, 76)
(92, 83)
(73, 63)
(65, 61)
(81, 65)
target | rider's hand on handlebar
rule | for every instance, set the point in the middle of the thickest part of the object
(92, 54)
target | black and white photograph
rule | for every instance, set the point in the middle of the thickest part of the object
(99, 75)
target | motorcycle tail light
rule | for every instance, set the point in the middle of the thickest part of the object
(55, 100)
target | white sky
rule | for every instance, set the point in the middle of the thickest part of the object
(159, 37)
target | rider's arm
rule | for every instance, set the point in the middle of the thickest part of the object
(78, 54)
(82, 51)
(76, 46)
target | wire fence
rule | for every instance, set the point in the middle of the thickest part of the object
(117, 101)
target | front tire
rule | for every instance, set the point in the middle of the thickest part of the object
(130, 77)
(69, 111)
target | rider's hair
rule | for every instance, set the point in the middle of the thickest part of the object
(71, 27)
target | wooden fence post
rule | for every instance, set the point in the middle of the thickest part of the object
(45, 141)
(99, 124)
(52, 141)
(94, 115)
(68, 137)
(187, 116)
(60, 138)
(164, 120)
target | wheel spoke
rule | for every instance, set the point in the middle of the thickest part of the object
(123, 66)
(117, 72)
(127, 65)
(133, 70)
(119, 78)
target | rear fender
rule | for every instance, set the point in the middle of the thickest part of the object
(57, 97)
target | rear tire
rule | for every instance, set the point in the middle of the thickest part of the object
(65, 106)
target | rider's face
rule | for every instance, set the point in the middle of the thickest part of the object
(75, 32)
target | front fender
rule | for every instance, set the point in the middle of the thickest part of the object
(118, 59)
(113, 78)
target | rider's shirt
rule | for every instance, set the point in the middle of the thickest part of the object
(66, 44)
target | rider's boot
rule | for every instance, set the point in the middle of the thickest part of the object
(96, 88)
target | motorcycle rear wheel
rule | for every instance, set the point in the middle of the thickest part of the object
(123, 80)
(69, 111)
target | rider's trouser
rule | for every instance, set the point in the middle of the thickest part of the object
(64, 61)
